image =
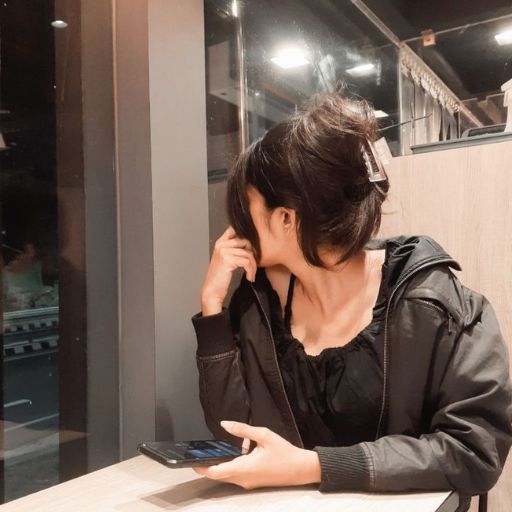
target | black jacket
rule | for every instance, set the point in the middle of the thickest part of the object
(446, 411)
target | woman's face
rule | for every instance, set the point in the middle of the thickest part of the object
(276, 230)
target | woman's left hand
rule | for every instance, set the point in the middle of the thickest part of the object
(273, 462)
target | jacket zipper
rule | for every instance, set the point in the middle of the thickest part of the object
(440, 309)
(386, 341)
(277, 366)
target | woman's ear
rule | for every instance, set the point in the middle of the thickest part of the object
(282, 220)
(288, 219)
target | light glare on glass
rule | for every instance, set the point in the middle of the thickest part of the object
(504, 37)
(361, 69)
(59, 24)
(290, 58)
(380, 113)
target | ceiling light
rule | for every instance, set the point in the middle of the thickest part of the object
(290, 58)
(59, 24)
(504, 37)
(362, 69)
(380, 113)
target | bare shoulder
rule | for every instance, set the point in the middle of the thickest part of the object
(279, 278)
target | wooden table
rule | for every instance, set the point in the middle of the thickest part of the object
(140, 484)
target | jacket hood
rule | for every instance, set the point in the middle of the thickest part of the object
(407, 253)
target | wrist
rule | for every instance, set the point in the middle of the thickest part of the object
(210, 307)
(310, 468)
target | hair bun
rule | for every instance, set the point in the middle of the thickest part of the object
(313, 163)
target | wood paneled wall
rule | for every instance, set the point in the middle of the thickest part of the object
(463, 198)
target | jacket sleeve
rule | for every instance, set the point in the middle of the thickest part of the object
(470, 432)
(222, 389)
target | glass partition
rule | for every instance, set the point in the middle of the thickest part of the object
(264, 58)
(433, 73)
(455, 61)
(52, 412)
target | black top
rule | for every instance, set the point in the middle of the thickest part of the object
(335, 396)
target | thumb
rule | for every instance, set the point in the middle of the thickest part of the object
(236, 428)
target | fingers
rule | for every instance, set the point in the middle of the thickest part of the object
(246, 445)
(237, 242)
(250, 270)
(234, 242)
(235, 258)
(259, 434)
(230, 239)
(249, 264)
(200, 470)
(229, 233)
(241, 252)
(217, 472)
(243, 262)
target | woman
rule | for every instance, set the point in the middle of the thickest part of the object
(357, 364)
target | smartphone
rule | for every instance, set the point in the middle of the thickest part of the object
(186, 454)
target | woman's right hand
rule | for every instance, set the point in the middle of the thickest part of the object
(230, 253)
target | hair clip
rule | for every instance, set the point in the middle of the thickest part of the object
(373, 164)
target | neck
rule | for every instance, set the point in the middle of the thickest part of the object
(327, 290)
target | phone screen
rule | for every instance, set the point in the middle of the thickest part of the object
(181, 452)
(200, 449)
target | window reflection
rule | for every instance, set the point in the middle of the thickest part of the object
(466, 49)
(46, 398)
(433, 72)
(264, 58)
(29, 252)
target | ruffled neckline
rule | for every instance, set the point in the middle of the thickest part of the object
(367, 334)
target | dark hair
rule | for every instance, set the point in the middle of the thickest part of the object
(312, 163)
